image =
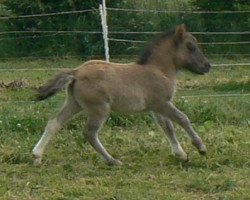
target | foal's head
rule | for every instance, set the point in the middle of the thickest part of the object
(187, 53)
(177, 48)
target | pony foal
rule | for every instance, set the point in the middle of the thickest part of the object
(100, 87)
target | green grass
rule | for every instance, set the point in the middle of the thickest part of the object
(73, 170)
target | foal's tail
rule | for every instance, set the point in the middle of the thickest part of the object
(55, 84)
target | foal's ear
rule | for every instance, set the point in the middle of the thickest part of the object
(179, 31)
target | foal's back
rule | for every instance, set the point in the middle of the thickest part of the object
(125, 87)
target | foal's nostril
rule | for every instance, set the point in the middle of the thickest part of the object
(207, 65)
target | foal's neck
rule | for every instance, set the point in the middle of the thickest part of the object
(162, 58)
(167, 68)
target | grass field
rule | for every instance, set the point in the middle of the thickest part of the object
(73, 170)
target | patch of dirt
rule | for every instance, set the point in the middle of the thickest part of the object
(16, 84)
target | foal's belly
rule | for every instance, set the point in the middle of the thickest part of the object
(128, 102)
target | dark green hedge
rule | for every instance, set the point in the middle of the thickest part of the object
(35, 44)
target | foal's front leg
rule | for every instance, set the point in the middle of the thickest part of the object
(168, 128)
(176, 115)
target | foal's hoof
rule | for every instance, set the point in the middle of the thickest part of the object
(203, 150)
(114, 162)
(183, 157)
(37, 160)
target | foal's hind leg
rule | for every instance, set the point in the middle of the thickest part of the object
(96, 118)
(70, 108)
(168, 128)
(176, 115)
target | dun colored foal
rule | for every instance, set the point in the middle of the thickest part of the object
(100, 87)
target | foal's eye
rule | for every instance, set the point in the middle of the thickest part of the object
(191, 46)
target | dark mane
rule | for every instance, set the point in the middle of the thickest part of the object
(144, 57)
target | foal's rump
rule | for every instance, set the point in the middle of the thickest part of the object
(61, 79)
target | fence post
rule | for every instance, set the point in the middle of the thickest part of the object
(103, 13)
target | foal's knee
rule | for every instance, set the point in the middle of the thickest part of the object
(53, 125)
(182, 119)
(90, 131)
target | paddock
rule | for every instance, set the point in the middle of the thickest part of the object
(217, 105)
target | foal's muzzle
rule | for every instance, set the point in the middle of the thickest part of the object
(206, 68)
(199, 69)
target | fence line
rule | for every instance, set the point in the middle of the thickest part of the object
(226, 54)
(231, 64)
(57, 32)
(28, 37)
(67, 33)
(194, 33)
(34, 69)
(223, 43)
(120, 55)
(222, 33)
(124, 40)
(213, 95)
(66, 68)
(179, 11)
(124, 9)
(54, 57)
(49, 14)
(202, 43)
(123, 32)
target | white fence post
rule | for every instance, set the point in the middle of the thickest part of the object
(103, 13)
